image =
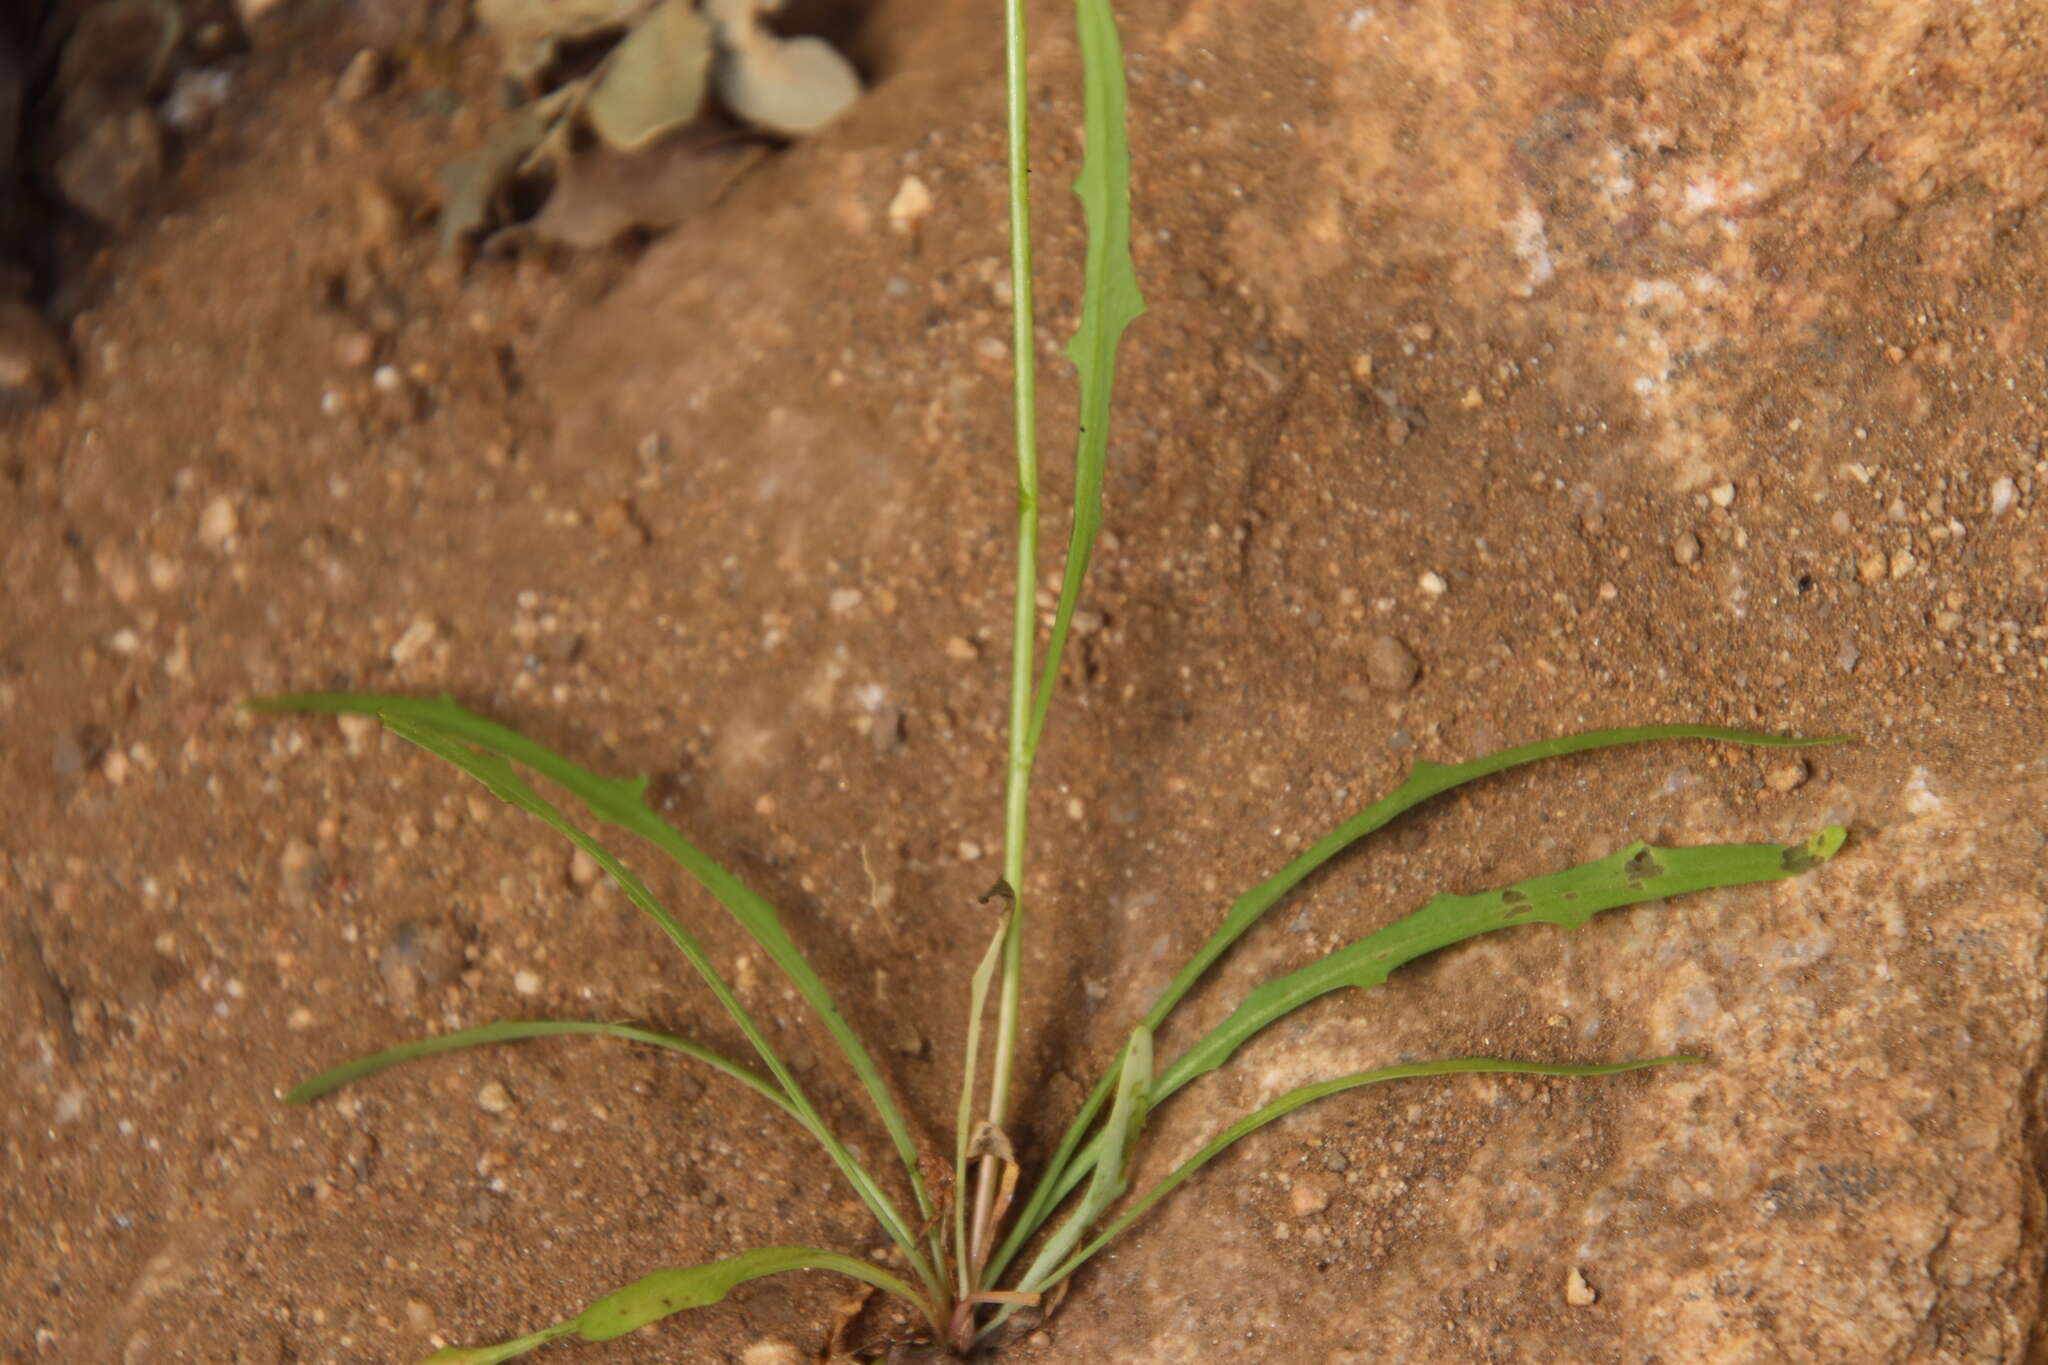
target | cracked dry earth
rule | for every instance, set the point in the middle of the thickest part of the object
(1624, 365)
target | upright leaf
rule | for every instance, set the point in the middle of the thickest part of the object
(1112, 1174)
(1110, 302)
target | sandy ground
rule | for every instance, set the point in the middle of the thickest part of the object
(1656, 364)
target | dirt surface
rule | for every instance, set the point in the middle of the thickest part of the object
(1632, 366)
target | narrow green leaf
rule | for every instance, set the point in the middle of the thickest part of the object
(677, 1290)
(1309, 1094)
(1110, 302)
(621, 802)
(478, 748)
(1112, 1176)
(1629, 876)
(697, 1286)
(504, 1350)
(516, 1030)
(1423, 781)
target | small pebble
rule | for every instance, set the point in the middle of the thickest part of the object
(844, 600)
(961, 649)
(969, 851)
(494, 1098)
(1390, 665)
(113, 170)
(770, 1351)
(409, 646)
(380, 219)
(1577, 1292)
(357, 731)
(615, 521)
(218, 523)
(1788, 776)
(360, 78)
(299, 873)
(1398, 430)
(1309, 1197)
(196, 96)
(1903, 563)
(1871, 567)
(583, 870)
(1432, 583)
(1723, 494)
(2003, 494)
(354, 350)
(526, 983)
(1685, 548)
(912, 202)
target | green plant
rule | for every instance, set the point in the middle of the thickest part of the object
(949, 1244)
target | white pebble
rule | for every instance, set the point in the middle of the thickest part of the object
(526, 983)
(969, 851)
(1433, 584)
(195, 97)
(1577, 1292)
(417, 637)
(494, 1098)
(1723, 494)
(357, 731)
(844, 600)
(2003, 494)
(912, 202)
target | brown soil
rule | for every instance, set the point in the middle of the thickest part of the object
(733, 510)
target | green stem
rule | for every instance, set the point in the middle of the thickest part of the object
(1024, 631)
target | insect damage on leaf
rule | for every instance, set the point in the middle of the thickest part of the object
(1642, 867)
